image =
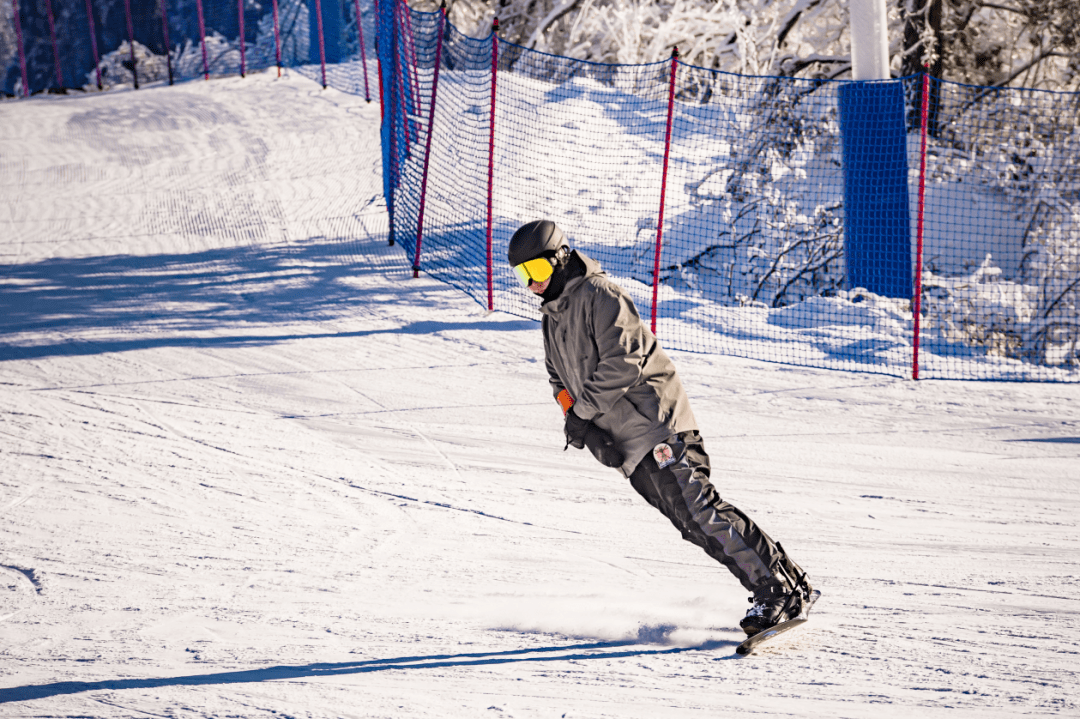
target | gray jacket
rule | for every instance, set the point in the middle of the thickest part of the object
(598, 349)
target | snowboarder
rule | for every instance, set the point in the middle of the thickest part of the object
(623, 400)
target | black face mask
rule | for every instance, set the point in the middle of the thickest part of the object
(567, 269)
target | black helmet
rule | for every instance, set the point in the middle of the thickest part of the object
(535, 239)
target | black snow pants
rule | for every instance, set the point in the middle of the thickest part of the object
(681, 490)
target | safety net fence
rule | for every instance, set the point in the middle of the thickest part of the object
(58, 45)
(912, 227)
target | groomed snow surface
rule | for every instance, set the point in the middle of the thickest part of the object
(252, 468)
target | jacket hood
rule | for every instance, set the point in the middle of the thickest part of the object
(592, 268)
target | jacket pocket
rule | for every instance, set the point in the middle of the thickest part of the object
(626, 423)
(645, 402)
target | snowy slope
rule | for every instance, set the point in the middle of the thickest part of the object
(252, 468)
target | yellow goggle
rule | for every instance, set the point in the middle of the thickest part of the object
(538, 270)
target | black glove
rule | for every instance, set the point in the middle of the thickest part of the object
(603, 447)
(582, 433)
(575, 429)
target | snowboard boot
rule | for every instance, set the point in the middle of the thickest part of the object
(773, 603)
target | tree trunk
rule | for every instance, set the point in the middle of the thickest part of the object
(924, 50)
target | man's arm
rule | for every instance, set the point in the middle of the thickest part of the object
(553, 378)
(620, 342)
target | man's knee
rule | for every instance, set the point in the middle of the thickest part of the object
(642, 482)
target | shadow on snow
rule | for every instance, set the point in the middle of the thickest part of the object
(578, 652)
(172, 300)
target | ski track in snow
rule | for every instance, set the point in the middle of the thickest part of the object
(252, 468)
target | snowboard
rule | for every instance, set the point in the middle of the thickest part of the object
(760, 638)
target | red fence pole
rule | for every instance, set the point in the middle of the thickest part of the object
(243, 53)
(363, 52)
(131, 43)
(393, 54)
(663, 184)
(93, 41)
(491, 156)
(22, 51)
(322, 42)
(277, 40)
(916, 301)
(202, 40)
(55, 46)
(165, 38)
(427, 143)
(378, 71)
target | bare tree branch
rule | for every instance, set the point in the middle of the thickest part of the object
(1027, 66)
(551, 18)
(792, 19)
(1004, 7)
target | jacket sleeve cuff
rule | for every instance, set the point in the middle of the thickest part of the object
(585, 411)
(565, 400)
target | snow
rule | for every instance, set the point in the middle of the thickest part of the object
(252, 468)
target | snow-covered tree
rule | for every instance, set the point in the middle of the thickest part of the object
(293, 32)
(116, 69)
(804, 37)
(8, 41)
(1022, 43)
(1029, 43)
(1030, 159)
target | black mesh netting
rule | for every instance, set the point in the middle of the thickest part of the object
(794, 213)
(869, 226)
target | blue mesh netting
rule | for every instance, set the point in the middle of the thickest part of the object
(791, 216)
(296, 41)
(791, 223)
